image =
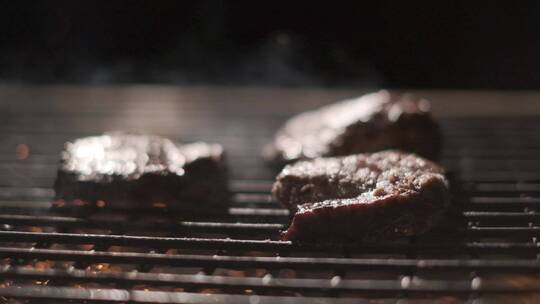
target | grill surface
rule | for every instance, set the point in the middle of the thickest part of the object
(486, 252)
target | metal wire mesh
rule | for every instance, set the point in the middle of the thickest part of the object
(54, 251)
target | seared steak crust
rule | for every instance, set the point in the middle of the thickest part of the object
(370, 123)
(363, 197)
(139, 169)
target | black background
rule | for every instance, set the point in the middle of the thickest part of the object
(460, 44)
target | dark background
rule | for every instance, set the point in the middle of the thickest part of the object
(463, 44)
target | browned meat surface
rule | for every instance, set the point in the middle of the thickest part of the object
(370, 123)
(139, 169)
(364, 197)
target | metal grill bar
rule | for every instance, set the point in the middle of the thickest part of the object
(393, 265)
(473, 202)
(494, 177)
(62, 221)
(267, 283)
(268, 229)
(256, 245)
(139, 296)
(194, 226)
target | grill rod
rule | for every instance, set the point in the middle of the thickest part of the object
(259, 245)
(94, 295)
(239, 284)
(185, 260)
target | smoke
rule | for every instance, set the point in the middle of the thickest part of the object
(281, 59)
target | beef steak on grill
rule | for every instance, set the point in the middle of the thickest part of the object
(362, 197)
(370, 123)
(139, 169)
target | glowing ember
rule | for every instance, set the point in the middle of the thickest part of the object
(42, 265)
(22, 151)
(59, 203)
(79, 202)
(98, 267)
(35, 229)
(43, 283)
(159, 205)
(87, 247)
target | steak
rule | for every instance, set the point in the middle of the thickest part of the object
(362, 198)
(119, 168)
(370, 123)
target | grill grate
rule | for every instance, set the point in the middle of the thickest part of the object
(56, 252)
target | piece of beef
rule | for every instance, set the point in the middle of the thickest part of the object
(370, 123)
(120, 168)
(362, 198)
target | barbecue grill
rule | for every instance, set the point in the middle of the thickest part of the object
(486, 252)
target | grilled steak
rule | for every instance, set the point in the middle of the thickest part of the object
(137, 169)
(370, 123)
(363, 197)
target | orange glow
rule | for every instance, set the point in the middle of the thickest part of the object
(22, 151)
(159, 205)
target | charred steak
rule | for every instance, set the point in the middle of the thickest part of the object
(370, 123)
(140, 169)
(363, 197)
